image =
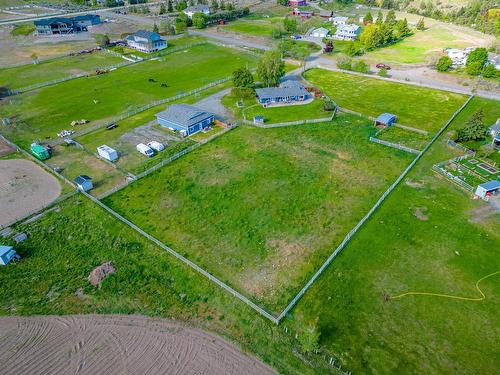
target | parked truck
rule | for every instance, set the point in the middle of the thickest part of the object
(145, 150)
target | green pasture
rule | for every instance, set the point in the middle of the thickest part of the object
(42, 113)
(418, 107)
(255, 27)
(255, 204)
(23, 29)
(446, 251)
(313, 110)
(30, 74)
(404, 137)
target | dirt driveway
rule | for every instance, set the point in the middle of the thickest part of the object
(25, 188)
(116, 344)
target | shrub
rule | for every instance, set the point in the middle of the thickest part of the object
(490, 71)
(361, 67)
(329, 106)
(444, 64)
(382, 72)
(344, 62)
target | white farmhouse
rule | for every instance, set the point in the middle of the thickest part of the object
(200, 8)
(347, 32)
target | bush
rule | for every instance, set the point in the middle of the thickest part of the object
(329, 106)
(382, 72)
(243, 92)
(490, 71)
(344, 62)
(361, 67)
(444, 64)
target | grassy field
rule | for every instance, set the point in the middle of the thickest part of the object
(30, 74)
(23, 29)
(42, 113)
(372, 97)
(255, 26)
(404, 137)
(255, 204)
(445, 251)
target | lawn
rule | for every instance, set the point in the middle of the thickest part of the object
(447, 250)
(23, 29)
(272, 115)
(404, 137)
(43, 113)
(418, 107)
(256, 27)
(30, 74)
(261, 209)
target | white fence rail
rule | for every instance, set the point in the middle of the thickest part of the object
(395, 145)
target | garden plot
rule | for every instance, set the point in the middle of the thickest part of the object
(417, 107)
(262, 209)
(47, 111)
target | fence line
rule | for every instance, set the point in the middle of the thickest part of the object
(290, 123)
(460, 147)
(394, 145)
(353, 231)
(143, 108)
(439, 169)
(186, 261)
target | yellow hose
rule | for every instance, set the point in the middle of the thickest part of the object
(449, 296)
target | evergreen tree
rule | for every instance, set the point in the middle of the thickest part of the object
(421, 24)
(380, 18)
(351, 50)
(163, 10)
(215, 5)
(490, 71)
(155, 28)
(368, 18)
(444, 64)
(170, 7)
(390, 19)
(474, 129)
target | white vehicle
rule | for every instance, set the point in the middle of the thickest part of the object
(145, 150)
(157, 146)
(107, 153)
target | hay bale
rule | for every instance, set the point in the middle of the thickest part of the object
(100, 273)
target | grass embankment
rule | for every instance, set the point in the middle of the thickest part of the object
(23, 29)
(30, 74)
(262, 209)
(447, 250)
(49, 110)
(417, 107)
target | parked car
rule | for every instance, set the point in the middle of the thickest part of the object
(296, 37)
(383, 66)
(145, 150)
(157, 146)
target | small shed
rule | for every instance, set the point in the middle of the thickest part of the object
(107, 153)
(258, 120)
(7, 253)
(84, 183)
(40, 152)
(320, 32)
(385, 120)
(486, 190)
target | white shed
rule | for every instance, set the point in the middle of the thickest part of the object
(107, 153)
(320, 32)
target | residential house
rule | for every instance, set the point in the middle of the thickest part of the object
(339, 20)
(457, 56)
(347, 32)
(146, 41)
(494, 131)
(297, 3)
(304, 14)
(66, 25)
(320, 32)
(7, 253)
(186, 119)
(494, 59)
(199, 8)
(287, 92)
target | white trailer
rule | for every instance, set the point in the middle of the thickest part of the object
(107, 153)
(145, 150)
(157, 146)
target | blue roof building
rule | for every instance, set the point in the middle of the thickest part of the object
(185, 118)
(385, 120)
(7, 253)
(66, 25)
(488, 189)
(84, 183)
(146, 41)
(287, 92)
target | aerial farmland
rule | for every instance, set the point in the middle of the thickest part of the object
(242, 188)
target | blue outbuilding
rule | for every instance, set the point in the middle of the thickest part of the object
(288, 92)
(385, 120)
(7, 253)
(186, 119)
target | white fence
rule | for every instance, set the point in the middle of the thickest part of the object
(395, 145)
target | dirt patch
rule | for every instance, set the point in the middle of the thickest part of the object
(116, 344)
(98, 274)
(25, 188)
(419, 213)
(5, 149)
(482, 213)
(414, 184)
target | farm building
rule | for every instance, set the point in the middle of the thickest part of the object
(146, 41)
(287, 92)
(326, 14)
(40, 152)
(258, 120)
(320, 32)
(488, 189)
(84, 183)
(304, 14)
(347, 32)
(200, 8)
(385, 120)
(7, 253)
(107, 153)
(494, 131)
(186, 119)
(297, 3)
(66, 25)
(338, 20)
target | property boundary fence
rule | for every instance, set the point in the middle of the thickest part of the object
(143, 108)
(394, 145)
(291, 123)
(183, 259)
(460, 147)
(353, 231)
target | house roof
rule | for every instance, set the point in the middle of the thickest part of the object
(5, 250)
(82, 179)
(184, 115)
(149, 35)
(348, 28)
(496, 127)
(68, 20)
(325, 13)
(287, 88)
(386, 118)
(491, 185)
(197, 8)
(321, 30)
(340, 18)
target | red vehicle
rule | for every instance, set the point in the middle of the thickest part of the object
(383, 66)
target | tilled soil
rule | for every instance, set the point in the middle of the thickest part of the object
(116, 344)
